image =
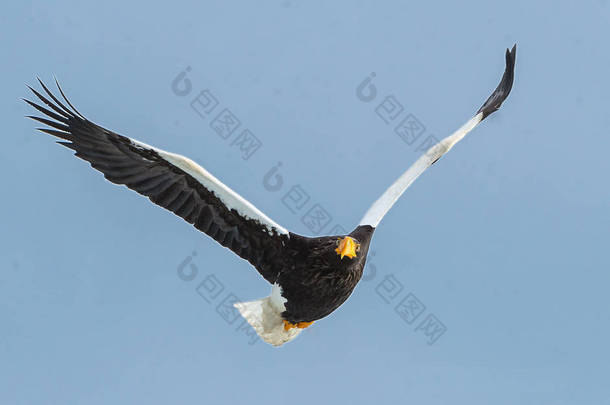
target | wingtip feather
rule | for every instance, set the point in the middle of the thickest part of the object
(70, 113)
(501, 92)
(66, 98)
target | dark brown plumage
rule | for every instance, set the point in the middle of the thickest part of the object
(316, 281)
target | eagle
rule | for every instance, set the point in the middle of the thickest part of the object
(310, 277)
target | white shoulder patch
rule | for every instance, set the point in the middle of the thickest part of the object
(230, 198)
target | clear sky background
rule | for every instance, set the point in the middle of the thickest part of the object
(504, 242)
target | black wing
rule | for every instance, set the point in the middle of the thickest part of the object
(496, 99)
(171, 181)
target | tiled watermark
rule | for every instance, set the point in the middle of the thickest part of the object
(409, 308)
(222, 119)
(214, 293)
(393, 113)
(297, 199)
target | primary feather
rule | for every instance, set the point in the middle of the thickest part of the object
(169, 180)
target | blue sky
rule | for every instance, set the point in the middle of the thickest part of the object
(503, 244)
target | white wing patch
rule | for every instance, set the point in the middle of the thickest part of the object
(230, 198)
(380, 207)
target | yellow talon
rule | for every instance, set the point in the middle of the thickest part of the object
(300, 325)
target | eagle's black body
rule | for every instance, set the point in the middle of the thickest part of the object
(314, 279)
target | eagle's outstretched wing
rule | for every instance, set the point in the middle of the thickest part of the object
(380, 207)
(172, 181)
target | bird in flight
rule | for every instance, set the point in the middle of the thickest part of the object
(310, 277)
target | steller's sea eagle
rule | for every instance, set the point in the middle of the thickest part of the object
(310, 277)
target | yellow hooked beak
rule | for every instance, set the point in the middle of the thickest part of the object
(347, 247)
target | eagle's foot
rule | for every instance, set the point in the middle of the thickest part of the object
(300, 325)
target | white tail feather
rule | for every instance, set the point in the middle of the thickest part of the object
(264, 316)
